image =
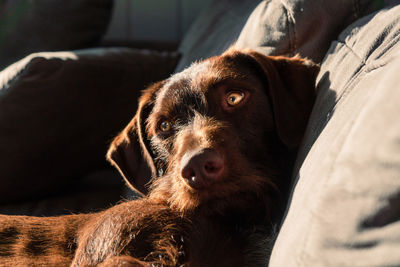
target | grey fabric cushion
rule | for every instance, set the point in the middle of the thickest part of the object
(28, 26)
(60, 110)
(215, 30)
(301, 27)
(345, 208)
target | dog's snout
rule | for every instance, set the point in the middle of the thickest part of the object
(202, 168)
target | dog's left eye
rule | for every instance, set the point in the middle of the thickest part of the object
(165, 126)
(234, 98)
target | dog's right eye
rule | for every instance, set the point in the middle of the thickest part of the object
(165, 126)
(234, 98)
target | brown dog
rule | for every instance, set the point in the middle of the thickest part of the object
(218, 140)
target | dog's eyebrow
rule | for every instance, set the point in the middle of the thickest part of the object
(206, 83)
(188, 102)
(242, 82)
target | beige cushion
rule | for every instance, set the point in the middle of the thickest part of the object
(304, 27)
(345, 208)
(214, 30)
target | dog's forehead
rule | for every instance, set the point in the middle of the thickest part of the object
(186, 81)
(196, 80)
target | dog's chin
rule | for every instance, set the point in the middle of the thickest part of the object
(231, 192)
(218, 197)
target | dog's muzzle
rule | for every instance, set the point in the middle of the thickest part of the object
(201, 168)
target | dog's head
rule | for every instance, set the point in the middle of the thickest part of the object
(220, 132)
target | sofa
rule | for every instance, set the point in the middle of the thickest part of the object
(60, 109)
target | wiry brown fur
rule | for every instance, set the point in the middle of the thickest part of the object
(227, 221)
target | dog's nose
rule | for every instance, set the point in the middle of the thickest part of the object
(201, 168)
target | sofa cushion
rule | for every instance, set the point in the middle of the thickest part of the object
(49, 25)
(214, 30)
(301, 27)
(60, 110)
(345, 207)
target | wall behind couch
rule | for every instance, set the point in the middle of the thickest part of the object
(153, 20)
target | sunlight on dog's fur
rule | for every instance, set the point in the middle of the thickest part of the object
(211, 150)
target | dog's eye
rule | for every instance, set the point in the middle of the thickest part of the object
(234, 98)
(165, 126)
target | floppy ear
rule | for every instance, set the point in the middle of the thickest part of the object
(291, 89)
(129, 152)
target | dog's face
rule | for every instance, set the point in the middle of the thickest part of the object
(216, 134)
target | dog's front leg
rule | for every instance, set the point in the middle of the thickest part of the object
(125, 229)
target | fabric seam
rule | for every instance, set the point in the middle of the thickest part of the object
(291, 29)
